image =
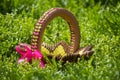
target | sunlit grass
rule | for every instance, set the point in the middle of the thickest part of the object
(99, 25)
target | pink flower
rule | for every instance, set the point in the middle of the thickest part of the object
(26, 54)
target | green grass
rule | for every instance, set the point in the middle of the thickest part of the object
(99, 24)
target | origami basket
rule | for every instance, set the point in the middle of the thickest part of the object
(73, 50)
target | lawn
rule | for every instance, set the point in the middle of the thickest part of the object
(99, 22)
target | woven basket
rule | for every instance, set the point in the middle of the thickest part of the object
(73, 50)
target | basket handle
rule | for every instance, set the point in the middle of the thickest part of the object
(36, 41)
